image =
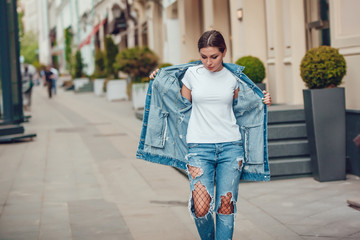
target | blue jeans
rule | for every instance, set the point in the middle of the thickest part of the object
(209, 163)
(54, 85)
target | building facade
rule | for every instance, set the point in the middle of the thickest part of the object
(279, 32)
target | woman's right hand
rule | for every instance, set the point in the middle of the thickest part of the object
(153, 74)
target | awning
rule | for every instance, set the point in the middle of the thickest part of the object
(93, 32)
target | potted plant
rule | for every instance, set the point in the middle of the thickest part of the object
(322, 69)
(77, 72)
(254, 69)
(99, 74)
(137, 62)
(115, 87)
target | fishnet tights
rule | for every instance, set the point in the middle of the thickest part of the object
(194, 171)
(201, 200)
(227, 206)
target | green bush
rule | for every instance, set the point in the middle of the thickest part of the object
(111, 50)
(138, 62)
(164, 65)
(99, 65)
(322, 67)
(28, 47)
(68, 47)
(78, 65)
(254, 68)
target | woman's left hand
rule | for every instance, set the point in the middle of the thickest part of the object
(267, 98)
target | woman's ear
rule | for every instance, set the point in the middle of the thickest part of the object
(224, 53)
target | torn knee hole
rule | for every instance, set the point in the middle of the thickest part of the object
(240, 163)
(201, 199)
(227, 206)
(195, 171)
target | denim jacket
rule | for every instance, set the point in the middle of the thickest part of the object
(167, 113)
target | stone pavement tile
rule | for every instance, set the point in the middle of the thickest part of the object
(344, 213)
(335, 230)
(96, 218)
(18, 235)
(165, 235)
(160, 225)
(19, 220)
(320, 238)
(121, 235)
(56, 215)
(19, 223)
(245, 229)
(355, 235)
(19, 227)
(264, 221)
(55, 235)
(22, 207)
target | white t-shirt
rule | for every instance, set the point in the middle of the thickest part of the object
(212, 118)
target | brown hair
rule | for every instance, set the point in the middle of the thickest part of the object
(212, 38)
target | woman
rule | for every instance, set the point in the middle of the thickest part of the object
(215, 151)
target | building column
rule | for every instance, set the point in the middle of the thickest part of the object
(248, 35)
(189, 29)
(275, 51)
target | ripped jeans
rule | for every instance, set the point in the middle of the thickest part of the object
(210, 163)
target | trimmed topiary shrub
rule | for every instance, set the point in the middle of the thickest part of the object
(138, 62)
(78, 63)
(254, 68)
(322, 67)
(111, 50)
(100, 71)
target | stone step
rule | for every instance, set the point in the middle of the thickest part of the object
(286, 114)
(288, 148)
(287, 131)
(290, 166)
(11, 129)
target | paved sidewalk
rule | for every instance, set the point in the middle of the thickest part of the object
(79, 179)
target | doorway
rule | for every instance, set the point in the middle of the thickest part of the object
(317, 23)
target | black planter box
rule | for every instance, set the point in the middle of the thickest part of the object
(325, 124)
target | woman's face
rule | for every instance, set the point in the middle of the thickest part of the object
(212, 58)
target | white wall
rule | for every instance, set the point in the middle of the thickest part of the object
(172, 37)
(30, 19)
(248, 35)
(190, 31)
(44, 43)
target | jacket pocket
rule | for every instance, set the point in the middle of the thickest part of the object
(253, 137)
(157, 127)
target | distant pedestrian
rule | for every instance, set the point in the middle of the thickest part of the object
(48, 79)
(54, 80)
(208, 118)
(27, 85)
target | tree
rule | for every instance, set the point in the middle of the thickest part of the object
(78, 65)
(138, 62)
(68, 47)
(111, 50)
(29, 47)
